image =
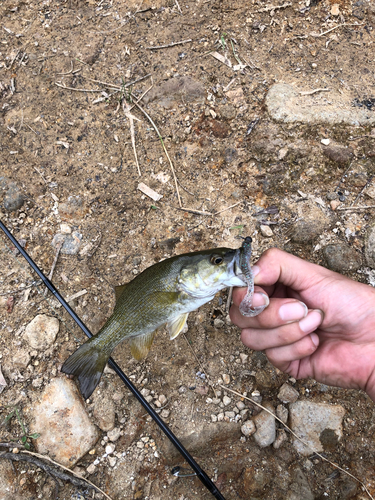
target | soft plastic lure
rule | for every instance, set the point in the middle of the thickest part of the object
(246, 308)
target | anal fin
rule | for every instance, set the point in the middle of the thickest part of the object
(176, 325)
(141, 344)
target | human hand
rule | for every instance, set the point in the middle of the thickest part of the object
(318, 324)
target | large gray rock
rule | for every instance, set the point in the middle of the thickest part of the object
(66, 432)
(312, 422)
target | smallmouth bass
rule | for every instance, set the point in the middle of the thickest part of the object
(163, 294)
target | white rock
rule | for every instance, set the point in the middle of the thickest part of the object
(162, 399)
(114, 434)
(41, 332)
(91, 469)
(226, 379)
(266, 427)
(243, 358)
(326, 142)
(213, 418)
(266, 231)
(226, 400)
(66, 432)
(112, 461)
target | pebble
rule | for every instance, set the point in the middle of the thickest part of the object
(165, 413)
(13, 199)
(266, 427)
(248, 428)
(66, 432)
(91, 469)
(244, 358)
(280, 439)
(110, 448)
(266, 231)
(226, 400)
(112, 461)
(335, 9)
(21, 359)
(104, 411)
(213, 418)
(41, 332)
(226, 378)
(338, 154)
(334, 204)
(282, 413)
(325, 142)
(114, 434)
(70, 242)
(309, 420)
(218, 323)
(230, 415)
(341, 257)
(163, 400)
(288, 394)
(240, 405)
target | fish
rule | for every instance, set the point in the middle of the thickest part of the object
(163, 294)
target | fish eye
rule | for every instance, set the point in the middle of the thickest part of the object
(216, 260)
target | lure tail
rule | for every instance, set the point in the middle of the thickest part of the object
(87, 364)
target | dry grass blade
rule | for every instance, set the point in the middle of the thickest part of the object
(126, 108)
(301, 440)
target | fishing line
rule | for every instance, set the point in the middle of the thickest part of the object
(200, 473)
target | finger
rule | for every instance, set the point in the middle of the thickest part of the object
(261, 339)
(278, 313)
(277, 266)
(283, 357)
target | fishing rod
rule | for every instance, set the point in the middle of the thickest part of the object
(200, 473)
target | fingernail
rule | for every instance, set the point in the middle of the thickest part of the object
(312, 321)
(293, 311)
(260, 299)
(255, 270)
(315, 339)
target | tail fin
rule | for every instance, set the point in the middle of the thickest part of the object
(87, 364)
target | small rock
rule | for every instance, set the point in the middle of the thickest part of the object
(308, 420)
(335, 9)
(226, 379)
(334, 204)
(114, 434)
(41, 332)
(70, 242)
(112, 461)
(21, 359)
(340, 257)
(65, 228)
(240, 405)
(66, 432)
(244, 358)
(338, 154)
(280, 439)
(332, 196)
(266, 231)
(325, 141)
(103, 411)
(213, 418)
(288, 394)
(248, 428)
(226, 400)
(163, 400)
(229, 415)
(218, 323)
(91, 469)
(282, 413)
(110, 448)
(13, 199)
(266, 427)
(165, 413)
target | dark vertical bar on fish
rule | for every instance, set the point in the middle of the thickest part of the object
(201, 474)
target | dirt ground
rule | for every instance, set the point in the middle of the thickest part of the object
(66, 73)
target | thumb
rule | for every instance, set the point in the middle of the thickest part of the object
(277, 266)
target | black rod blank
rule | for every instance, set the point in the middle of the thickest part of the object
(201, 474)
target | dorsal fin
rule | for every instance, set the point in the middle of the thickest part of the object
(119, 289)
(176, 325)
(141, 344)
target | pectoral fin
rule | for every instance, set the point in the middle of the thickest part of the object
(140, 345)
(175, 326)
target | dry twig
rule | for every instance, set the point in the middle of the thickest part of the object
(157, 47)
